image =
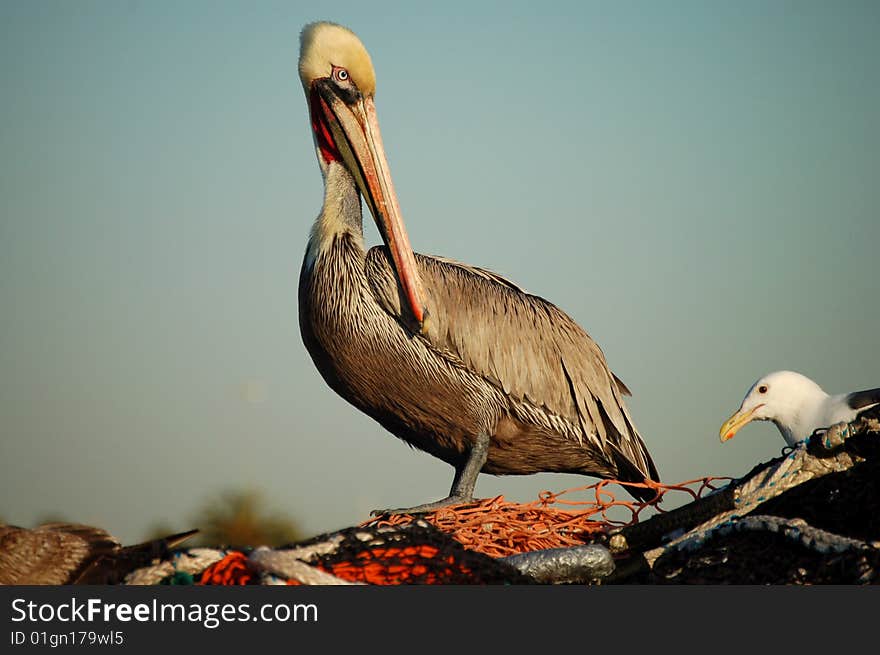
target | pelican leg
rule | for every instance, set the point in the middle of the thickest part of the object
(463, 483)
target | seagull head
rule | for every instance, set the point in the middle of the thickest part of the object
(784, 397)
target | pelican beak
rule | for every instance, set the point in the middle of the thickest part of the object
(354, 128)
(734, 423)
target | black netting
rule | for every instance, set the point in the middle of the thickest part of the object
(763, 558)
(412, 554)
(846, 503)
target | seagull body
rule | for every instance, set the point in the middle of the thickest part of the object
(797, 405)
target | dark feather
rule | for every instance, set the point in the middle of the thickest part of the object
(862, 399)
(111, 568)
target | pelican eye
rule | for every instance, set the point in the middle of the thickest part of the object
(340, 74)
(762, 388)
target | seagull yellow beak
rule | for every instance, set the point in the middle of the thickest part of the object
(734, 423)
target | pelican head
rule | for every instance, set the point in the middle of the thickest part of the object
(339, 82)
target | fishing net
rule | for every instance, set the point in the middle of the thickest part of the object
(572, 517)
(809, 516)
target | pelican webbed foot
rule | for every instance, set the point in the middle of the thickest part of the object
(463, 483)
(425, 508)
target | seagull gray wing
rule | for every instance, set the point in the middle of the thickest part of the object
(863, 399)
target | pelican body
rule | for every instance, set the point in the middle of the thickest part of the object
(455, 360)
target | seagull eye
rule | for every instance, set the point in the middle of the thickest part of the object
(340, 74)
(762, 388)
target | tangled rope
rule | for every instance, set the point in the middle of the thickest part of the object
(500, 528)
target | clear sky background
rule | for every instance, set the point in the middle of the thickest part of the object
(696, 183)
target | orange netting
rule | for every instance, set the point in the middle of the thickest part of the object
(372, 566)
(231, 570)
(499, 528)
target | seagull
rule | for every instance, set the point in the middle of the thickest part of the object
(797, 405)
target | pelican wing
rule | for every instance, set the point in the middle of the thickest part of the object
(524, 345)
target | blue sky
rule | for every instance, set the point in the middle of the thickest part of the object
(696, 183)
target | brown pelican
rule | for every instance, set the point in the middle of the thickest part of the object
(453, 359)
(71, 553)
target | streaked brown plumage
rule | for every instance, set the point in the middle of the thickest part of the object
(70, 553)
(453, 359)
